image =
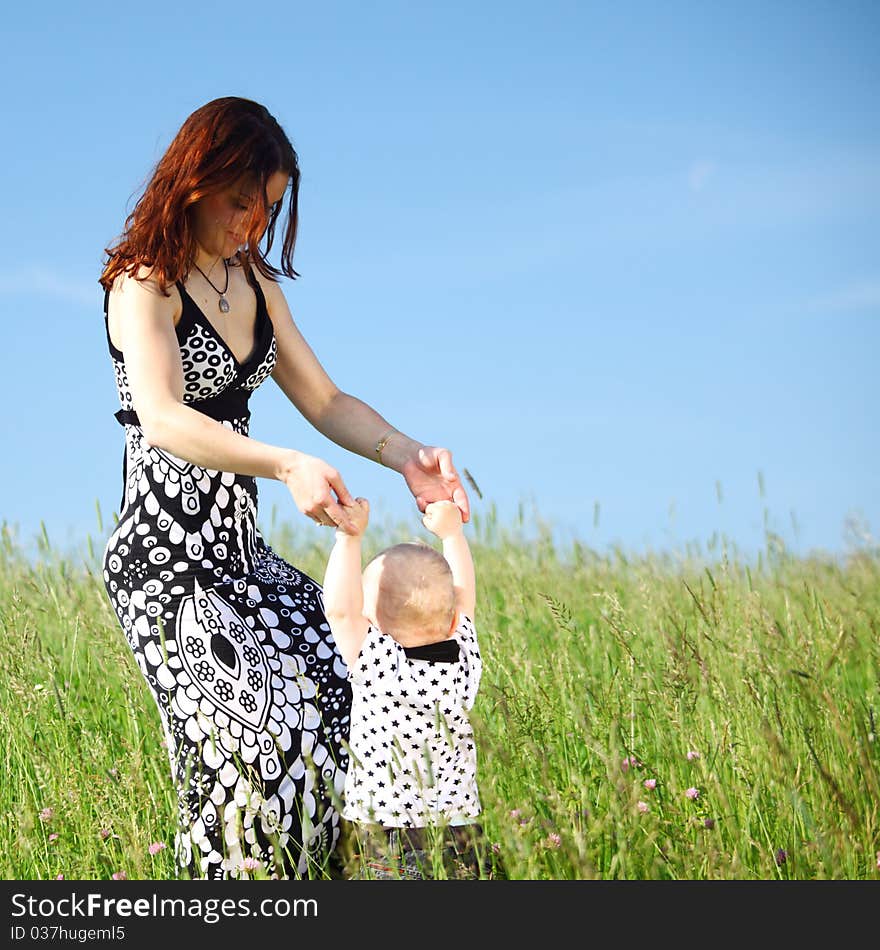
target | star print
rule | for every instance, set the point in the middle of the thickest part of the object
(398, 716)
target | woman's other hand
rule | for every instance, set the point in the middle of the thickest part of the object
(431, 476)
(317, 489)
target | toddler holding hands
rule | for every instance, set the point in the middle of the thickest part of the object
(405, 629)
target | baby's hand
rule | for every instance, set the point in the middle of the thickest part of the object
(359, 515)
(442, 518)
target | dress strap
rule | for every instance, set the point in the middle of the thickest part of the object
(262, 308)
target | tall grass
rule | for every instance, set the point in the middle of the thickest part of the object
(745, 692)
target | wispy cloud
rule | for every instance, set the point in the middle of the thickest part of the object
(699, 174)
(859, 296)
(45, 283)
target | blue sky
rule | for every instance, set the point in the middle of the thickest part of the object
(614, 255)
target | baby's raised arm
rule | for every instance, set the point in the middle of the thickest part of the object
(343, 585)
(443, 519)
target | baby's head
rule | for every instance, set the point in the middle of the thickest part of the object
(409, 593)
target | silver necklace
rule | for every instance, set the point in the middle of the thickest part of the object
(222, 303)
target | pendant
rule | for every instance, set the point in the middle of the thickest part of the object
(223, 304)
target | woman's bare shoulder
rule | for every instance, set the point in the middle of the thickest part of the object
(269, 286)
(142, 289)
(143, 277)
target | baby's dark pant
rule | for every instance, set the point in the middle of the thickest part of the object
(458, 852)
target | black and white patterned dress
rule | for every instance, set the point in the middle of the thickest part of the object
(231, 639)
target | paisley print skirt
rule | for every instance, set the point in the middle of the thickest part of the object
(233, 644)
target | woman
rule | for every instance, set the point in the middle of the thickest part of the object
(231, 639)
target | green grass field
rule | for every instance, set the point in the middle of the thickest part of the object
(679, 716)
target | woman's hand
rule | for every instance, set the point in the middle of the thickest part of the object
(431, 476)
(317, 489)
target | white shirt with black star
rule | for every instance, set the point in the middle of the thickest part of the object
(413, 759)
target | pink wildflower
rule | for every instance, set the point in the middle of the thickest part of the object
(642, 807)
(515, 813)
(104, 833)
(54, 836)
(709, 824)
(59, 877)
(693, 793)
(630, 762)
(119, 876)
(650, 784)
(156, 847)
(46, 814)
(692, 754)
(250, 864)
(878, 860)
(554, 840)
(781, 857)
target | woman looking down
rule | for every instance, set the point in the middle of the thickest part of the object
(230, 638)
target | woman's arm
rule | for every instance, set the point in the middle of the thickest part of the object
(350, 422)
(155, 376)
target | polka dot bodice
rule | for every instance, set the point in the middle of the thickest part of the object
(209, 368)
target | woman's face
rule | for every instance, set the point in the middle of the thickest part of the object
(220, 220)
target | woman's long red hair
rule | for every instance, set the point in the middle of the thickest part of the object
(219, 144)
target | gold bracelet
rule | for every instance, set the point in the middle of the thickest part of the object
(380, 445)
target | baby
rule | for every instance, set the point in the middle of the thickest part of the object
(406, 632)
